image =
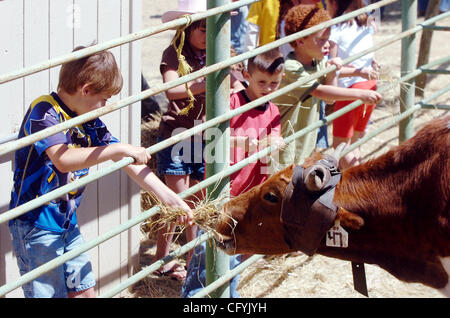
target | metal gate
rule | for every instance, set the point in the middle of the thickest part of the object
(218, 115)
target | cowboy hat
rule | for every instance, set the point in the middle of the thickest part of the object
(185, 7)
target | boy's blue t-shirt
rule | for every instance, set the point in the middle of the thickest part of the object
(35, 174)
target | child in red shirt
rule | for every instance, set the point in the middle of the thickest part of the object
(264, 73)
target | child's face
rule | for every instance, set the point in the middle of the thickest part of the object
(316, 45)
(197, 38)
(91, 101)
(262, 83)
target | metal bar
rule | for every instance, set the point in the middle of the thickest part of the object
(30, 205)
(395, 120)
(428, 71)
(228, 276)
(440, 92)
(119, 41)
(217, 104)
(154, 266)
(419, 70)
(437, 106)
(85, 247)
(408, 51)
(155, 148)
(437, 27)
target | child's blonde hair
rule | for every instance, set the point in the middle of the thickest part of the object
(99, 70)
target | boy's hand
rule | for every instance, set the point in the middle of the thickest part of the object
(139, 154)
(188, 219)
(177, 202)
(335, 61)
(370, 97)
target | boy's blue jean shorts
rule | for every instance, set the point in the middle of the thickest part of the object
(183, 158)
(34, 247)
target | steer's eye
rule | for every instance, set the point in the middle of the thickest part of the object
(271, 197)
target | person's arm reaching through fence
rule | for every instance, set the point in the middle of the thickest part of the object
(148, 181)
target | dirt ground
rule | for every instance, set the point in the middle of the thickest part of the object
(299, 275)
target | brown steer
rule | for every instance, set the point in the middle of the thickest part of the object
(395, 209)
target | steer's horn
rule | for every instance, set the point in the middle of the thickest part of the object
(316, 178)
(338, 151)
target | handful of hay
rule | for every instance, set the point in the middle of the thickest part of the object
(207, 214)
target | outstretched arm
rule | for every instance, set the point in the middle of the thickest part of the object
(71, 159)
(149, 182)
(333, 93)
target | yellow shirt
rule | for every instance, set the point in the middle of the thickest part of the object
(265, 15)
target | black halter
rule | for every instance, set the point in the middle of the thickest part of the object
(308, 215)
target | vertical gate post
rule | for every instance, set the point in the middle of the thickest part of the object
(408, 64)
(217, 151)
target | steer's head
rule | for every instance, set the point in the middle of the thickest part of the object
(252, 221)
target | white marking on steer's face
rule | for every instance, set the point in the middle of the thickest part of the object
(446, 264)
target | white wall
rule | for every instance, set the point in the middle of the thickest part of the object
(38, 30)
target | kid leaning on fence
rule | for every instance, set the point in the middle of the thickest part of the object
(300, 106)
(52, 230)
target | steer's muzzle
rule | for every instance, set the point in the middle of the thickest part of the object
(223, 231)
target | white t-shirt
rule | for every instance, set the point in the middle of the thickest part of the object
(352, 39)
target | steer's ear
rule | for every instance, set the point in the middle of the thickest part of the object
(349, 220)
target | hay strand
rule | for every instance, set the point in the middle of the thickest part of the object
(207, 214)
